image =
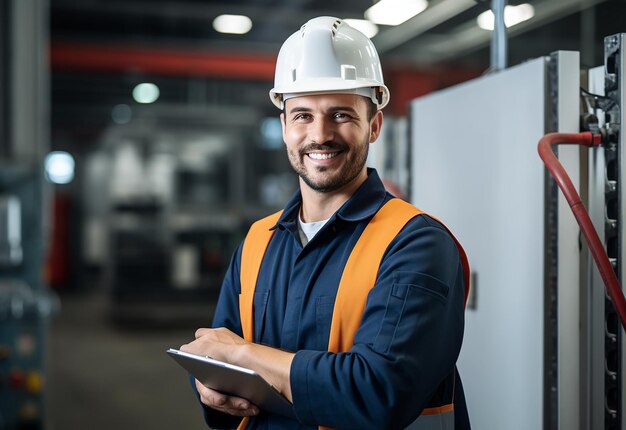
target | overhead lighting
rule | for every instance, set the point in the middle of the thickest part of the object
(394, 12)
(232, 24)
(146, 93)
(121, 114)
(59, 167)
(366, 27)
(512, 15)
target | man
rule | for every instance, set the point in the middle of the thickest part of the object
(349, 302)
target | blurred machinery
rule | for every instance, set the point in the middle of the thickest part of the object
(25, 302)
(390, 156)
(543, 345)
(172, 204)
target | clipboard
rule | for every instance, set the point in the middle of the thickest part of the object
(234, 380)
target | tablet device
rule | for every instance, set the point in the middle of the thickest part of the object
(234, 380)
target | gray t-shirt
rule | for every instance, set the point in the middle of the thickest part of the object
(307, 230)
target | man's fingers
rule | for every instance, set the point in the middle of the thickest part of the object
(201, 332)
(229, 404)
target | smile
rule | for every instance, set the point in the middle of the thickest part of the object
(322, 156)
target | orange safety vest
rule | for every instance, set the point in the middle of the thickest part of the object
(361, 271)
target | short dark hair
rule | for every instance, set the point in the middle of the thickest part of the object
(372, 108)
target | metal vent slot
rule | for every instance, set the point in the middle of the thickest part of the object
(335, 27)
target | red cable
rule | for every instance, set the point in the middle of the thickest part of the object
(580, 213)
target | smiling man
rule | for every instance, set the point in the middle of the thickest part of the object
(328, 138)
(350, 302)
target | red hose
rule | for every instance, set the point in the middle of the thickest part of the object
(580, 213)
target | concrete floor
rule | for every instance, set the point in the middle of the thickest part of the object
(103, 377)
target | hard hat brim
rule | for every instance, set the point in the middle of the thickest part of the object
(327, 85)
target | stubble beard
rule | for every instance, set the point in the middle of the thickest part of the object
(335, 181)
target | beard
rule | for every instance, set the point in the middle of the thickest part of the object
(328, 179)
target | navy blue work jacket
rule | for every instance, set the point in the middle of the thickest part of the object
(409, 338)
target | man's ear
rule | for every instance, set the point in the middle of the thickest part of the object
(376, 126)
(282, 124)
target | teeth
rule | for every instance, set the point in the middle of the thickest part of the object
(326, 156)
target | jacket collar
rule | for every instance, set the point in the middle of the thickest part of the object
(363, 204)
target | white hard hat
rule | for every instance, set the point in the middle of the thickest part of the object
(328, 56)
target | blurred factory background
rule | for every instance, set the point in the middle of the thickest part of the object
(138, 143)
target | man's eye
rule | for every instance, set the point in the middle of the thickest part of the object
(341, 115)
(301, 116)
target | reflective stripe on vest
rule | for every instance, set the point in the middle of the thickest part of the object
(252, 253)
(361, 270)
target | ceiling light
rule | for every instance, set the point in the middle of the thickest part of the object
(512, 15)
(366, 27)
(232, 24)
(146, 93)
(121, 114)
(394, 12)
(59, 167)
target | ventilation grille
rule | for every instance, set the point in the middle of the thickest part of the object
(333, 29)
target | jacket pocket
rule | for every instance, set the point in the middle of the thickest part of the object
(412, 290)
(260, 305)
(324, 306)
(426, 283)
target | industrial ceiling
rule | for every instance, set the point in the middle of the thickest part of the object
(446, 30)
(100, 47)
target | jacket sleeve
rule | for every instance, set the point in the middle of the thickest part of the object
(226, 315)
(408, 341)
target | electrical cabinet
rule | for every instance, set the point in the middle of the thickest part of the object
(475, 166)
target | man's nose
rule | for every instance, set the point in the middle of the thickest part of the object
(321, 131)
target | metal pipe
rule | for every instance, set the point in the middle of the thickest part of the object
(498, 36)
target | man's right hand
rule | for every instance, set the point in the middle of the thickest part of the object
(228, 404)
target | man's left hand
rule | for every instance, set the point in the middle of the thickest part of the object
(218, 343)
(222, 344)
